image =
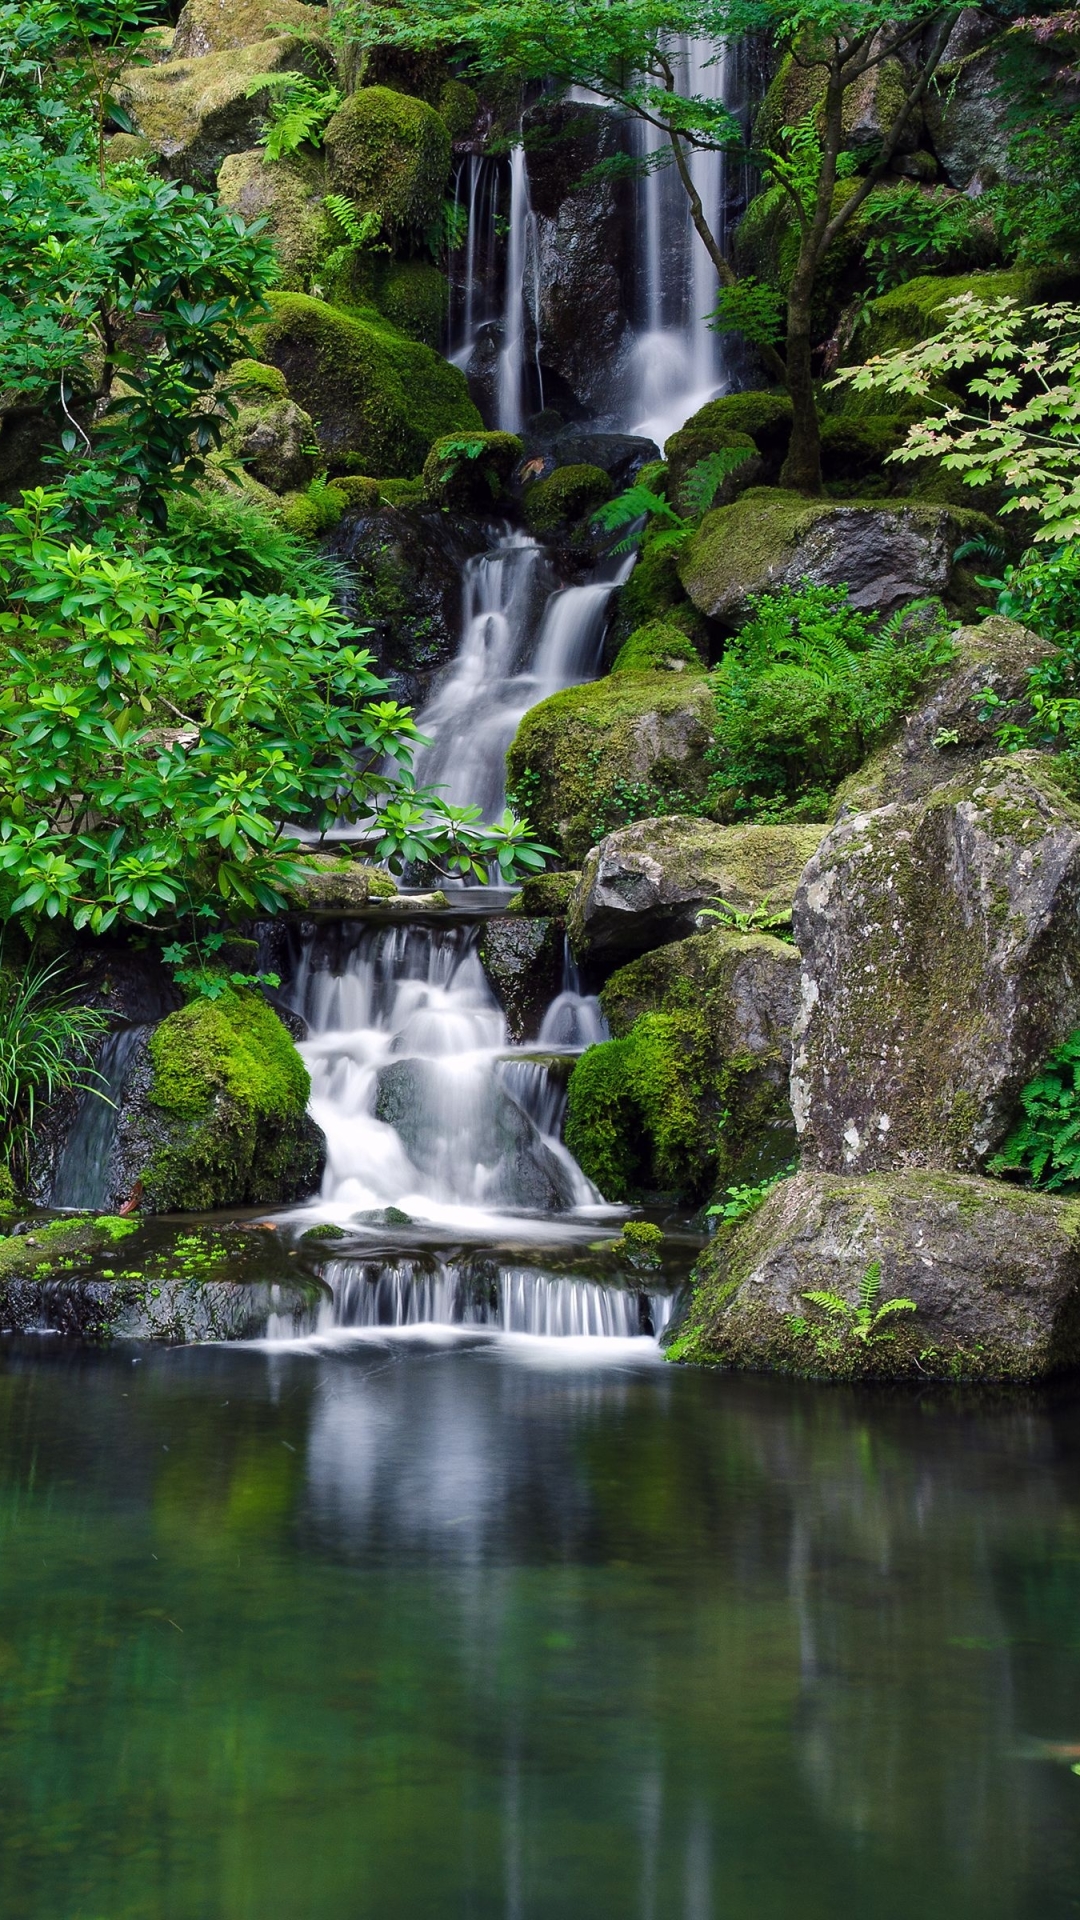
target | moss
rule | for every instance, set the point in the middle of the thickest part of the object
(315, 512)
(336, 882)
(288, 195)
(912, 312)
(8, 1194)
(401, 493)
(255, 377)
(194, 112)
(46, 1246)
(659, 647)
(415, 296)
(375, 396)
(390, 153)
(472, 479)
(458, 106)
(361, 496)
(654, 592)
(544, 894)
(207, 26)
(566, 499)
(635, 1116)
(232, 1092)
(598, 756)
(689, 446)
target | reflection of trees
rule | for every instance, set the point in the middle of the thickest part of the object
(439, 1632)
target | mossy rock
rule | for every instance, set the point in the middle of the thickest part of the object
(687, 448)
(374, 395)
(315, 512)
(653, 593)
(544, 894)
(272, 439)
(566, 500)
(216, 26)
(759, 420)
(914, 311)
(870, 105)
(597, 756)
(195, 112)
(659, 647)
(414, 295)
(288, 195)
(390, 153)
(335, 883)
(470, 472)
(692, 1088)
(401, 493)
(257, 380)
(229, 1093)
(362, 496)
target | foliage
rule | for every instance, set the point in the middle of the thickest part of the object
(759, 919)
(861, 1322)
(807, 688)
(740, 1202)
(1036, 209)
(448, 230)
(300, 110)
(46, 1048)
(639, 502)
(752, 308)
(1023, 365)
(240, 545)
(125, 299)
(155, 739)
(59, 62)
(915, 231)
(1044, 1144)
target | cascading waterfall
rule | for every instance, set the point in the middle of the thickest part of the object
(83, 1172)
(504, 1298)
(521, 307)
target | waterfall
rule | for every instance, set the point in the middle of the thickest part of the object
(521, 301)
(574, 1018)
(407, 1050)
(82, 1173)
(509, 1299)
(523, 638)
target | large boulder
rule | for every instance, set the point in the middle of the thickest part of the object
(914, 311)
(214, 1113)
(941, 965)
(288, 194)
(954, 730)
(693, 1086)
(335, 883)
(218, 26)
(587, 759)
(994, 1274)
(406, 563)
(523, 960)
(378, 400)
(885, 554)
(194, 112)
(390, 154)
(270, 436)
(646, 884)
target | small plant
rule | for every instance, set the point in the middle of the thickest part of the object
(640, 503)
(740, 1202)
(759, 919)
(455, 451)
(448, 231)
(300, 109)
(46, 1041)
(861, 1322)
(359, 232)
(197, 969)
(1045, 1142)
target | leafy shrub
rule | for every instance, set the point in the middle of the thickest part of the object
(804, 692)
(1044, 1144)
(242, 546)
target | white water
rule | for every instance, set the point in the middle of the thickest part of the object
(406, 1292)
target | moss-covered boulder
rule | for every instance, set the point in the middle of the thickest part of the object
(914, 311)
(225, 1122)
(523, 961)
(953, 731)
(288, 195)
(941, 966)
(470, 472)
(646, 884)
(414, 295)
(654, 592)
(886, 554)
(336, 883)
(658, 647)
(692, 444)
(270, 436)
(692, 1088)
(591, 758)
(544, 894)
(994, 1275)
(194, 112)
(373, 394)
(218, 26)
(563, 505)
(390, 154)
(870, 105)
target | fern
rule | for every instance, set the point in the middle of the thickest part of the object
(299, 111)
(707, 476)
(641, 503)
(1044, 1143)
(448, 231)
(860, 1321)
(360, 229)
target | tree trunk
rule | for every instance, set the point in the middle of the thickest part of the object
(801, 470)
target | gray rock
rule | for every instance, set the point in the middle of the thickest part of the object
(194, 112)
(966, 108)
(334, 883)
(646, 884)
(523, 960)
(274, 443)
(620, 455)
(407, 564)
(941, 965)
(996, 656)
(885, 555)
(994, 1273)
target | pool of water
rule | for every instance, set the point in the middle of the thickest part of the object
(419, 1627)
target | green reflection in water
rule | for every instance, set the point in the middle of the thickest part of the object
(399, 1633)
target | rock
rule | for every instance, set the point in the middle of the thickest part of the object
(950, 734)
(407, 567)
(994, 1273)
(885, 554)
(492, 1140)
(194, 112)
(585, 760)
(620, 455)
(414, 295)
(566, 501)
(967, 109)
(215, 1112)
(337, 884)
(523, 960)
(390, 154)
(544, 894)
(476, 480)
(216, 26)
(646, 884)
(288, 194)
(693, 1087)
(374, 395)
(658, 647)
(870, 105)
(941, 965)
(272, 438)
(914, 311)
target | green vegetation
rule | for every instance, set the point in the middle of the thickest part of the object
(861, 1321)
(46, 1049)
(1044, 1144)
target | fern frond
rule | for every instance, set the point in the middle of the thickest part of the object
(634, 504)
(707, 476)
(870, 1286)
(895, 1306)
(830, 1302)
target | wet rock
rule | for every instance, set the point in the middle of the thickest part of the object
(692, 1089)
(453, 1127)
(407, 565)
(523, 960)
(886, 555)
(216, 26)
(585, 760)
(620, 455)
(941, 965)
(967, 108)
(646, 884)
(194, 112)
(475, 481)
(994, 1274)
(952, 732)
(336, 883)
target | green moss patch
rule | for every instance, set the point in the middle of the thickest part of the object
(566, 500)
(658, 647)
(470, 471)
(390, 153)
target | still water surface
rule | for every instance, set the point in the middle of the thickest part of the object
(488, 1629)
